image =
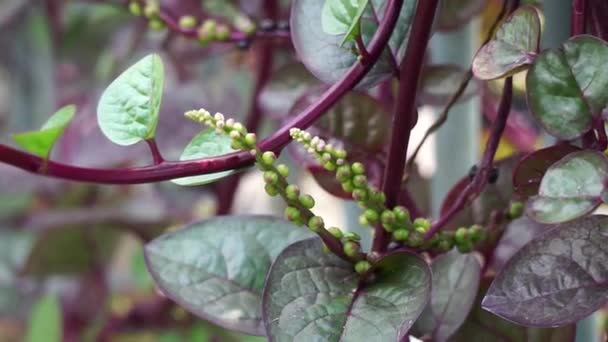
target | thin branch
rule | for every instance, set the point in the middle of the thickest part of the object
(156, 155)
(461, 88)
(578, 18)
(405, 114)
(362, 49)
(177, 169)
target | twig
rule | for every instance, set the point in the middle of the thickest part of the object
(579, 17)
(156, 155)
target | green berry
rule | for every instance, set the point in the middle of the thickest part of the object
(423, 223)
(348, 187)
(387, 217)
(401, 234)
(466, 247)
(292, 214)
(271, 177)
(222, 32)
(350, 236)
(271, 190)
(360, 181)
(415, 239)
(477, 233)
(330, 166)
(443, 245)
(156, 25)
(358, 168)
(187, 22)
(151, 9)
(339, 154)
(351, 249)
(362, 266)
(283, 170)
(421, 230)
(371, 215)
(360, 195)
(292, 192)
(236, 144)
(335, 232)
(316, 224)
(307, 201)
(250, 139)
(363, 220)
(269, 158)
(135, 8)
(516, 209)
(343, 174)
(209, 26)
(461, 236)
(401, 214)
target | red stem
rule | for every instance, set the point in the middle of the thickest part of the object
(405, 111)
(156, 155)
(177, 169)
(578, 18)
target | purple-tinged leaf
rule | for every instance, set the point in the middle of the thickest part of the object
(456, 13)
(323, 54)
(216, 268)
(311, 295)
(557, 279)
(531, 168)
(439, 83)
(570, 188)
(456, 279)
(482, 326)
(566, 87)
(513, 47)
(517, 234)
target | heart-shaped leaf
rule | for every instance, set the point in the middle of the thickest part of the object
(517, 234)
(324, 55)
(482, 326)
(341, 17)
(557, 279)
(216, 268)
(41, 142)
(127, 112)
(207, 143)
(455, 13)
(311, 295)
(456, 279)
(530, 170)
(570, 188)
(514, 46)
(439, 82)
(567, 87)
(284, 88)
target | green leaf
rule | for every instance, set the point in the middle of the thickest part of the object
(207, 143)
(567, 87)
(41, 142)
(341, 17)
(128, 109)
(456, 279)
(513, 47)
(570, 188)
(311, 295)
(216, 268)
(45, 321)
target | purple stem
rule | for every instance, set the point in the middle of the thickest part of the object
(156, 155)
(177, 169)
(405, 111)
(578, 19)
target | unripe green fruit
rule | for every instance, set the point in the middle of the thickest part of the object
(151, 9)
(156, 25)
(443, 245)
(360, 181)
(335, 232)
(421, 230)
(423, 223)
(401, 234)
(401, 214)
(292, 192)
(343, 173)
(387, 217)
(236, 144)
(362, 267)
(330, 166)
(360, 195)
(222, 32)
(135, 8)
(209, 26)
(351, 249)
(339, 154)
(516, 209)
(283, 170)
(316, 224)
(371, 215)
(271, 190)
(476, 233)
(358, 168)
(461, 236)
(415, 239)
(292, 214)
(269, 158)
(350, 236)
(348, 187)
(363, 220)
(187, 22)
(250, 139)
(271, 177)
(307, 201)
(466, 247)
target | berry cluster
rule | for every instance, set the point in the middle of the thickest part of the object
(275, 176)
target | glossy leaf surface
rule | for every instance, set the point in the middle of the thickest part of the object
(570, 188)
(567, 87)
(341, 17)
(513, 47)
(312, 295)
(41, 142)
(557, 279)
(517, 234)
(324, 55)
(216, 268)
(127, 112)
(207, 143)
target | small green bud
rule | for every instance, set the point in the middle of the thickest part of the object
(208, 27)
(371, 215)
(339, 154)
(316, 224)
(236, 144)
(271, 177)
(271, 190)
(461, 236)
(476, 233)
(401, 234)
(238, 127)
(135, 8)
(343, 174)
(222, 32)
(151, 9)
(187, 22)
(423, 223)
(307, 201)
(421, 230)
(387, 217)
(292, 191)
(360, 181)
(268, 158)
(336, 232)
(401, 214)
(360, 195)
(156, 25)
(415, 239)
(358, 168)
(363, 220)
(362, 267)
(244, 25)
(283, 170)
(250, 139)
(351, 249)
(516, 209)
(443, 245)
(329, 165)
(466, 247)
(292, 214)
(350, 236)
(348, 186)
